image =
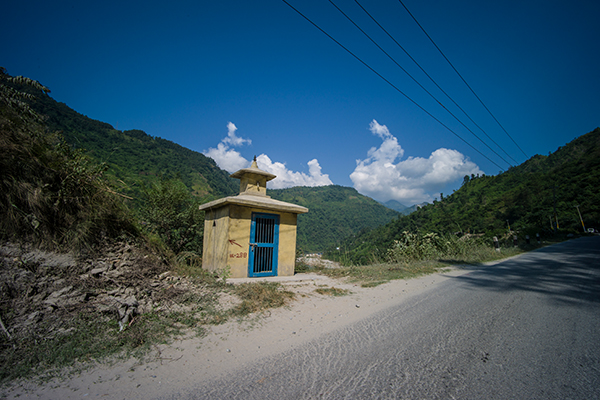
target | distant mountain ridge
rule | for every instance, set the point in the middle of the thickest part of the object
(395, 205)
(401, 208)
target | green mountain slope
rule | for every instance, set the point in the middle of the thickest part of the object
(524, 198)
(134, 156)
(335, 212)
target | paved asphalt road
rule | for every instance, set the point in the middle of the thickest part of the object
(527, 328)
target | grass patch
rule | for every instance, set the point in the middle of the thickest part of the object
(399, 267)
(87, 339)
(259, 296)
(90, 337)
(332, 291)
(301, 267)
(377, 274)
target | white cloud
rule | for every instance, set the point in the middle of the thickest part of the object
(231, 160)
(232, 139)
(389, 149)
(226, 158)
(411, 181)
(286, 178)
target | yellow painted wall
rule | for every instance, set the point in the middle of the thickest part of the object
(227, 243)
(287, 244)
(216, 228)
(239, 234)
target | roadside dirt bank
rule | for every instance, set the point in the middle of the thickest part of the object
(232, 345)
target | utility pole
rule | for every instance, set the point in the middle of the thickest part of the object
(581, 219)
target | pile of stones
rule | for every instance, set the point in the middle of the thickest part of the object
(40, 291)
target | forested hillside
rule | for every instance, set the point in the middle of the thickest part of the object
(153, 171)
(135, 157)
(524, 197)
(335, 212)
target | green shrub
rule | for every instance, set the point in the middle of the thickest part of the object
(431, 246)
(170, 211)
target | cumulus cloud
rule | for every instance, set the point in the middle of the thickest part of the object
(415, 180)
(232, 139)
(286, 178)
(226, 158)
(231, 160)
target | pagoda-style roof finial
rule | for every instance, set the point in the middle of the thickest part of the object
(253, 180)
(253, 192)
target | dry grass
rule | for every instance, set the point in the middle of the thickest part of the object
(377, 274)
(259, 296)
(332, 291)
(383, 272)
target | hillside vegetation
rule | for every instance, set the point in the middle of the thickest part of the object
(165, 182)
(155, 173)
(51, 194)
(134, 157)
(335, 212)
(523, 198)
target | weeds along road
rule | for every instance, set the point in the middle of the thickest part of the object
(527, 328)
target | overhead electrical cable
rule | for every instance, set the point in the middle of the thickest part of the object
(434, 82)
(417, 82)
(461, 77)
(390, 83)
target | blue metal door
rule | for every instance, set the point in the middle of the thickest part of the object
(264, 245)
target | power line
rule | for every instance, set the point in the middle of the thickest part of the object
(435, 83)
(463, 79)
(417, 82)
(390, 83)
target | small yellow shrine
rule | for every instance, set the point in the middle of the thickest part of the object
(251, 234)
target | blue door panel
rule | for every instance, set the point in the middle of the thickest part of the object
(264, 245)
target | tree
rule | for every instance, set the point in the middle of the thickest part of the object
(171, 212)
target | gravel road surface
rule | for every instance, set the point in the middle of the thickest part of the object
(526, 328)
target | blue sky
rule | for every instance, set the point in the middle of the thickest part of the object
(234, 79)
